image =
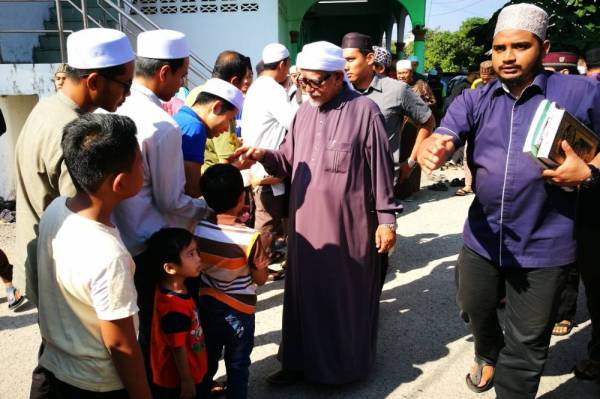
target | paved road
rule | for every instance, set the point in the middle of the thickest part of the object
(424, 348)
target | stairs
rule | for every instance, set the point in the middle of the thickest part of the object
(48, 50)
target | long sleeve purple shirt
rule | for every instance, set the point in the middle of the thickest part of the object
(517, 219)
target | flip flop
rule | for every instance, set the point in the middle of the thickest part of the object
(563, 324)
(474, 381)
(461, 192)
(439, 186)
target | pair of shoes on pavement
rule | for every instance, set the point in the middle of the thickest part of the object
(15, 298)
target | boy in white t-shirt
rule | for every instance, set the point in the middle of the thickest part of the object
(87, 299)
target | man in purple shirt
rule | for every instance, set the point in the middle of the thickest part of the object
(520, 227)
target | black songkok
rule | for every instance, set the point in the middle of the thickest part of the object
(357, 40)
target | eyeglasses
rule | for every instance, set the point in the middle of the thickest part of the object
(126, 85)
(313, 83)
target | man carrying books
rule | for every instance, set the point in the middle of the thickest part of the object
(520, 227)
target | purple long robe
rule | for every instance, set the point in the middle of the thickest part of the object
(341, 169)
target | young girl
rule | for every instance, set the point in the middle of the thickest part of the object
(177, 348)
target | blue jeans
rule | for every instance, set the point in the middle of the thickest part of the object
(229, 329)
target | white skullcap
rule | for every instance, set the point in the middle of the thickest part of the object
(274, 52)
(98, 48)
(523, 17)
(162, 44)
(321, 56)
(404, 64)
(224, 90)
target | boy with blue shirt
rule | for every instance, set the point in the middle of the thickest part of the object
(210, 115)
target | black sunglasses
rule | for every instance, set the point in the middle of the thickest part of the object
(313, 83)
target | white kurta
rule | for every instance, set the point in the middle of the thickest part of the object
(267, 117)
(161, 202)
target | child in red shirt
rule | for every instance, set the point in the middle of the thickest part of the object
(177, 348)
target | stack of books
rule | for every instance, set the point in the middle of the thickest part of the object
(550, 126)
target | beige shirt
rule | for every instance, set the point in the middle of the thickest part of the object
(85, 275)
(41, 175)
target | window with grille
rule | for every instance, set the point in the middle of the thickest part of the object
(153, 7)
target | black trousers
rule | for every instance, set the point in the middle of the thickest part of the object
(46, 386)
(567, 306)
(588, 263)
(6, 269)
(531, 304)
(145, 287)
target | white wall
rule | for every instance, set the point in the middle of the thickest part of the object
(18, 47)
(15, 110)
(20, 87)
(211, 33)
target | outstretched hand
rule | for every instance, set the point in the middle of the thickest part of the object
(572, 172)
(244, 157)
(434, 151)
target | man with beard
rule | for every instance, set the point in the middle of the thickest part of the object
(99, 73)
(342, 218)
(520, 227)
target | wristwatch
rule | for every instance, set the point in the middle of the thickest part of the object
(391, 226)
(411, 162)
(594, 178)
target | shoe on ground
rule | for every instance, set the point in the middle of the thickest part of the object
(13, 302)
(285, 377)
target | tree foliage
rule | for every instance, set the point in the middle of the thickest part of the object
(453, 51)
(574, 25)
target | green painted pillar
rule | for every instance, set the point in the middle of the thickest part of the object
(419, 48)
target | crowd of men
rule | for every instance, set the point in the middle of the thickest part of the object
(316, 156)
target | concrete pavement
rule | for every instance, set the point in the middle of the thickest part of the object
(424, 349)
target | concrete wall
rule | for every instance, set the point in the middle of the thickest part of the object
(18, 47)
(211, 33)
(20, 88)
(15, 110)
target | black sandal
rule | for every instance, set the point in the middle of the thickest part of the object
(474, 381)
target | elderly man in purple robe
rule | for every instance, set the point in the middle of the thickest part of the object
(342, 219)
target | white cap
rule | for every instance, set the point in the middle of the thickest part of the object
(321, 56)
(523, 17)
(404, 64)
(162, 44)
(98, 48)
(224, 90)
(274, 52)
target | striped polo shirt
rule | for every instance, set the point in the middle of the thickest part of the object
(226, 251)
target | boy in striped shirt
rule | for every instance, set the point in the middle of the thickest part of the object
(236, 262)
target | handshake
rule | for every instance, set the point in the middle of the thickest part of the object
(245, 157)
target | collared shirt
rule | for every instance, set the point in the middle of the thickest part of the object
(267, 116)
(161, 202)
(396, 100)
(193, 139)
(41, 173)
(517, 219)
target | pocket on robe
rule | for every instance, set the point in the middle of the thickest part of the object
(337, 157)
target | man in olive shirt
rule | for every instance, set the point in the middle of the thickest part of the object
(99, 75)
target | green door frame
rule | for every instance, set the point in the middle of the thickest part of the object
(291, 13)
